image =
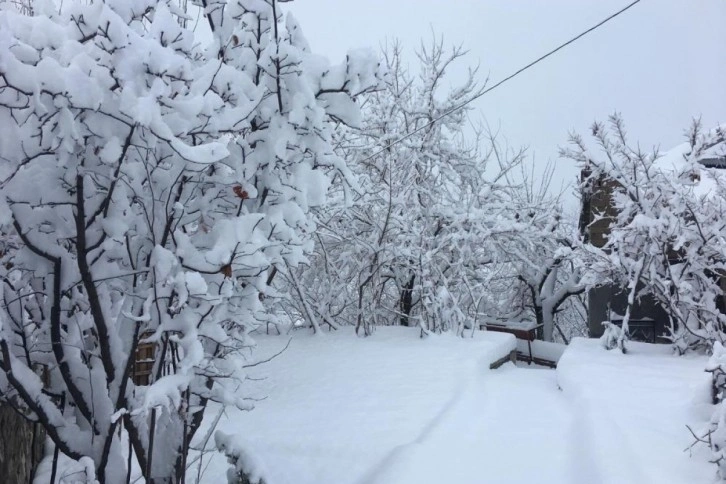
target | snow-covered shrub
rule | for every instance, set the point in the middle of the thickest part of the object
(150, 188)
(715, 436)
(613, 337)
(247, 468)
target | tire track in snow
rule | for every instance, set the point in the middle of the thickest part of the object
(527, 424)
(511, 425)
(585, 461)
(598, 442)
(394, 463)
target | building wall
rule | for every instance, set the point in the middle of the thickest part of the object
(598, 299)
(603, 301)
(607, 301)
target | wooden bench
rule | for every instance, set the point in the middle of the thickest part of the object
(511, 357)
(526, 330)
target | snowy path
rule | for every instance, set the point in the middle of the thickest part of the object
(395, 409)
(620, 419)
(511, 425)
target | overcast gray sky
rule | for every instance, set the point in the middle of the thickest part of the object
(659, 64)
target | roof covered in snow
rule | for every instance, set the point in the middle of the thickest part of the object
(711, 155)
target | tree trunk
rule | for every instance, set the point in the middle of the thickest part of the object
(406, 301)
(21, 446)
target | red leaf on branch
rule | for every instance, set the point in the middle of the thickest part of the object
(241, 193)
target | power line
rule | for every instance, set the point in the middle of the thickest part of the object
(511, 76)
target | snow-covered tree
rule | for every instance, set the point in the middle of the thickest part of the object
(665, 234)
(151, 187)
(418, 239)
(547, 258)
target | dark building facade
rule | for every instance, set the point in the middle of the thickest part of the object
(648, 320)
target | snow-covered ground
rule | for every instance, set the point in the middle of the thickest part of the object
(337, 405)
(397, 409)
(509, 426)
(631, 412)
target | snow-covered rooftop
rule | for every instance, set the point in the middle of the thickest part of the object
(678, 160)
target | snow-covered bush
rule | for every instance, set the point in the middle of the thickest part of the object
(614, 336)
(715, 435)
(150, 188)
(247, 468)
